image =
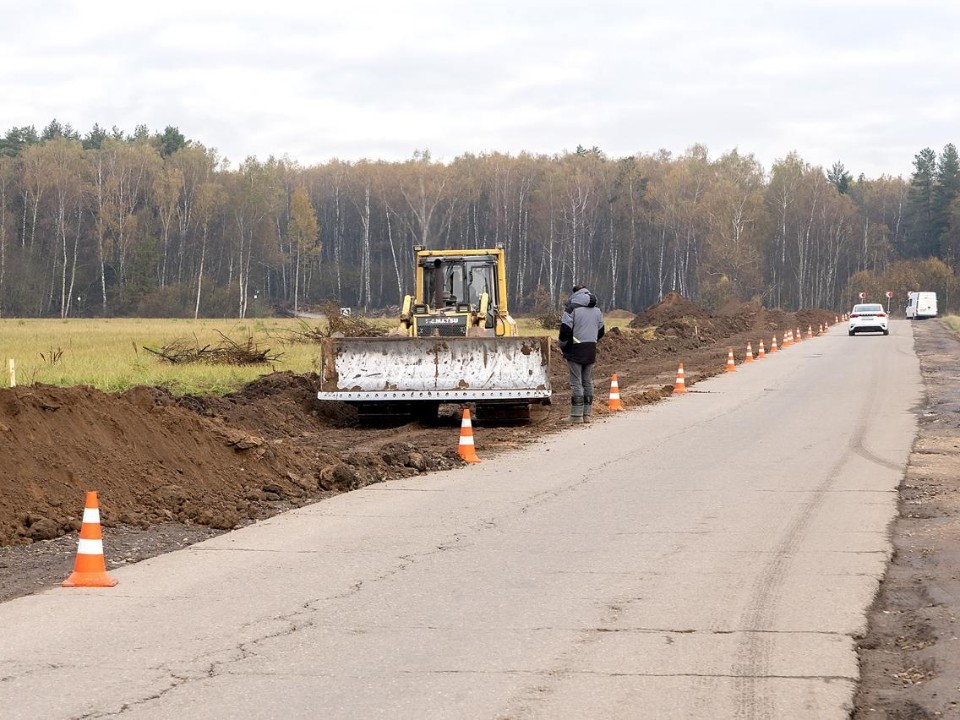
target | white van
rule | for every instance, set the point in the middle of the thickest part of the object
(921, 305)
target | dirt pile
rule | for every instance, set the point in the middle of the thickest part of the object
(673, 307)
(677, 317)
(677, 330)
(217, 462)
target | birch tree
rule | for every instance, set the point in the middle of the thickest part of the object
(165, 193)
(65, 181)
(735, 216)
(256, 195)
(122, 175)
(210, 197)
(303, 232)
(423, 184)
(6, 184)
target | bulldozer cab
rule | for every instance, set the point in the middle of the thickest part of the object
(458, 282)
(458, 293)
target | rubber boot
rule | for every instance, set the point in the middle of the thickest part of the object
(576, 410)
(587, 408)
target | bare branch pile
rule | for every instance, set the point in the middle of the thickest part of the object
(227, 352)
(348, 325)
(337, 324)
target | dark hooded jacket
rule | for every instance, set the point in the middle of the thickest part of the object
(581, 327)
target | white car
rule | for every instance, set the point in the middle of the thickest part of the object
(868, 317)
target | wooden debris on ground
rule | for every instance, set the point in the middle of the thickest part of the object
(337, 325)
(227, 352)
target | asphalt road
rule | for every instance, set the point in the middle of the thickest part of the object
(711, 556)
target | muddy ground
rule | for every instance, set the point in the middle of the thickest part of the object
(171, 471)
(910, 657)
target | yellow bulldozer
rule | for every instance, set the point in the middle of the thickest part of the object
(456, 343)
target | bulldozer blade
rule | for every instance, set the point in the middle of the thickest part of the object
(438, 369)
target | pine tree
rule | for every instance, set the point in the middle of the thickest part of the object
(170, 141)
(18, 138)
(923, 239)
(839, 178)
(946, 190)
(93, 140)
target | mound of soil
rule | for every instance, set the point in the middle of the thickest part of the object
(672, 308)
(153, 458)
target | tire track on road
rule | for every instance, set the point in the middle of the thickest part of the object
(754, 654)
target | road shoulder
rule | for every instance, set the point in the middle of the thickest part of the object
(909, 659)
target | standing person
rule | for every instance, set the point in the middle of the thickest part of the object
(581, 327)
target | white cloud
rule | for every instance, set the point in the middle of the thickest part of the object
(866, 82)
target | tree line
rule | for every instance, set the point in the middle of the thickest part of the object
(154, 224)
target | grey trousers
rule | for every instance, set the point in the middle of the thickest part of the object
(581, 379)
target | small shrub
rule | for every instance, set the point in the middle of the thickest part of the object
(549, 320)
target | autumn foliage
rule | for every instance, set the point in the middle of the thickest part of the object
(156, 224)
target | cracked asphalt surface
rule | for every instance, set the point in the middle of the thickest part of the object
(710, 556)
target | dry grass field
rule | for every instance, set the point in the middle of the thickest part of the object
(111, 354)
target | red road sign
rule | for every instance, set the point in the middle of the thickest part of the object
(889, 293)
(863, 295)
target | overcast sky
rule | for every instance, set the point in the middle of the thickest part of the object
(865, 82)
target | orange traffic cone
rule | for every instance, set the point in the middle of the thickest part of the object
(760, 352)
(614, 403)
(466, 450)
(90, 569)
(809, 331)
(749, 356)
(820, 329)
(799, 336)
(731, 363)
(773, 344)
(680, 386)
